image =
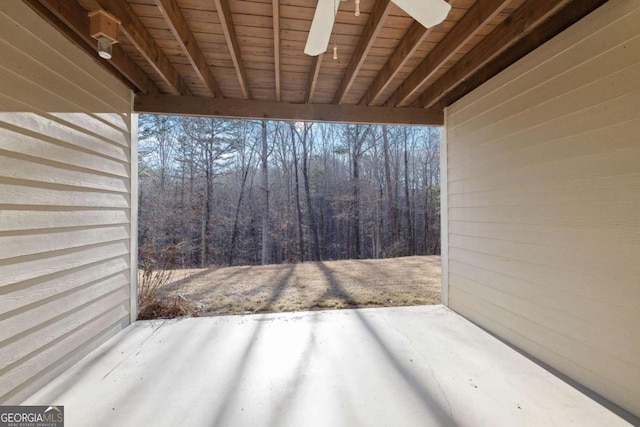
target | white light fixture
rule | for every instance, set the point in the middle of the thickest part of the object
(104, 28)
(104, 47)
(357, 8)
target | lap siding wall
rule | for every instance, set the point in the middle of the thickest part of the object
(65, 199)
(543, 177)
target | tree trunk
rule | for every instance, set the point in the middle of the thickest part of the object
(356, 205)
(407, 198)
(235, 231)
(266, 247)
(393, 210)
(307, 190)
(297, 190)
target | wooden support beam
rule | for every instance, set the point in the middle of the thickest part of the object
(134, 30)
(224, 13)
(313, 77)
(261, 110)
(181, 31)
(276, 45)
(559, 22)
(480, 14)
(76, 19)
(411, 41)
(376, 19)
(527, 17)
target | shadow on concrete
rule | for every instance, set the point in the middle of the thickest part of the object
(419, 389)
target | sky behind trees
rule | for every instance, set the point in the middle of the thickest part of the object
(242, 192)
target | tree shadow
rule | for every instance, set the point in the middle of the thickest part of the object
(422, 391)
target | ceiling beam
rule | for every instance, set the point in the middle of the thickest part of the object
(562, 20)
(224, 13)
(179, 27)
(252, 109)
(377, 17)
(134, 30)
(527, 17)
(480, 14)
(76, 19)
(276, 45)
(411, 41)
(313, 77)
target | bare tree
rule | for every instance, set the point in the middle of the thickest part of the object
(243, 192)
(266, 248)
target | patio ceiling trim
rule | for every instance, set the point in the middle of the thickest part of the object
(224, 13)
(370, 33)
(269, 110)
(313, 77)
(73, 17)
(138, 35)
(480, 14)
(527, 17)
(180, 29)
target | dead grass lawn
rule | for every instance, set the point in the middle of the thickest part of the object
(311, 285)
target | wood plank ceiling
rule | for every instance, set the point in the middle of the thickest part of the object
(236, 58)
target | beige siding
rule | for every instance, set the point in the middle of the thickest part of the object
(65, 217)
(543, 176)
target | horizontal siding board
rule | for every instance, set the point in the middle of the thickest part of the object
(563, 297)
(20, 269)
(21, 219)
(516, 154)
(34, 194)
(39, 315)
(556, 255)
(608, 235)
(618, 348)
(18, 245)
(62, 132)
(611, 292)
(544, 203)
(596, 215)
(580, 192)
(39, 170)
(21, 294)
(591, 119)
(39, 146)
(608, 163)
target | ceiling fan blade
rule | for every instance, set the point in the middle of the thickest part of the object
(426, 12)
(321, 27)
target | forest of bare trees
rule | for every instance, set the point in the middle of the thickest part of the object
(233, 192)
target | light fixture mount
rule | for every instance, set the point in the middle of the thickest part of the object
(104, 28)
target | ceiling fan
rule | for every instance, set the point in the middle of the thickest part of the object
(426, 12)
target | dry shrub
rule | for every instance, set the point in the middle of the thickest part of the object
(154, 302)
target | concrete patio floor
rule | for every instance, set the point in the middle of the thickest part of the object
(405, 366)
